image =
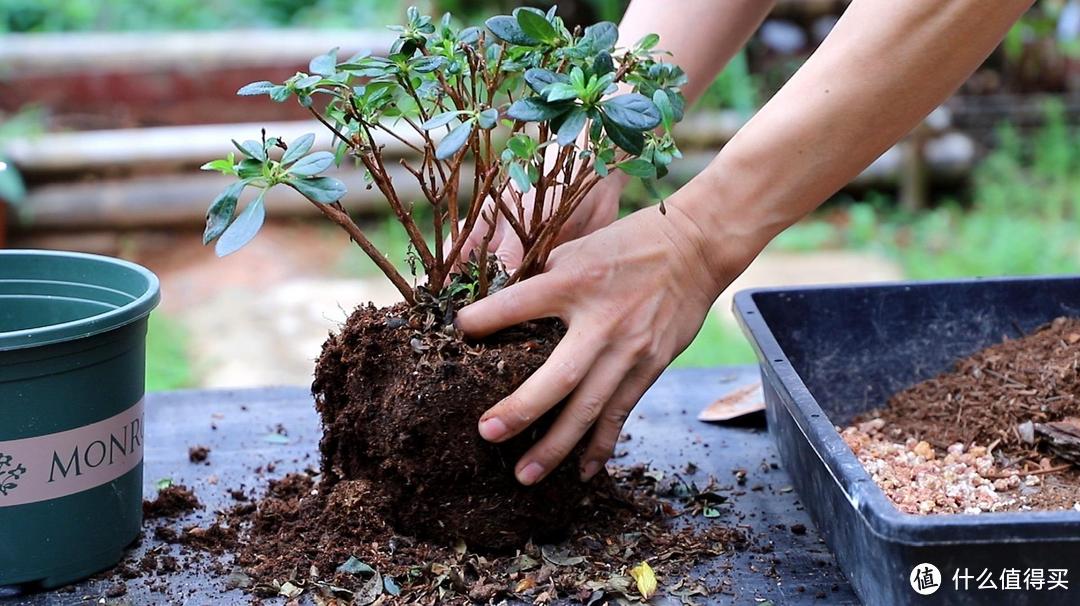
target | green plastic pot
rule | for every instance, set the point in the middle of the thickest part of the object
(72, 372)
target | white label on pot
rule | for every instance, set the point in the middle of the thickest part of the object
(58, 464)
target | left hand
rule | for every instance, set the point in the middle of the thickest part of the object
(632, 295)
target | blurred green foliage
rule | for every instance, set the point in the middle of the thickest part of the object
(1023, 217)
(735, 88)
(24, 123)
(167, 363)
(717, 344)
(158, 15)
(132, 15)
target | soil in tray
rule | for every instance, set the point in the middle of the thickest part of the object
(997, 432)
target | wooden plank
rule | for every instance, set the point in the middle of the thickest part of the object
(166, 146)
(178, 200)
(75, 53)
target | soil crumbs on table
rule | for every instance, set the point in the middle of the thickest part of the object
(171, 501)
(335, 548)
(998, 432)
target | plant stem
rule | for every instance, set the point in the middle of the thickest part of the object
(336, 213)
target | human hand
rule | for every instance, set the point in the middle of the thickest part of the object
(599, 208)
(632, 295)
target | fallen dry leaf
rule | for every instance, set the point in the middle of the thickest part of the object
(525, 584)
(645, 578)
(741, 402)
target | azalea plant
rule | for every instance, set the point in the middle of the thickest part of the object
(516, 121)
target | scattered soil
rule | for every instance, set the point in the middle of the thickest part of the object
(983, 427)
(336, 543)
(198, 454)
(171, 502)
(400, 399)
(411, 506)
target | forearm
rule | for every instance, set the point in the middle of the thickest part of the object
(883, 68)
(701, 35)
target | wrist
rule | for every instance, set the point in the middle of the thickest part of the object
(723, 224)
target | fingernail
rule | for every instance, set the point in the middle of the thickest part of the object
(589, 470)
(492, 429)
(530, 473)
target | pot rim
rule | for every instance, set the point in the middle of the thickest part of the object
(138, 308)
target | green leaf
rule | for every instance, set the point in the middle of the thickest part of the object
(602, 36)
(163, 483)
(600, 168)
(560, 92)
(630, 140)
(298, 148)
(12, 188)
(426, 65)
(520, 177)
(638, 168)
(249, 168)
(667, 113)
(571, 126)
(488, 118)
(308, 82)
(221, 211)
(632, 111)
(678, 104)
(650, 187)
(506, 28)
(279, 93)
(539, 78)
(309, 166)
(535, 25)
(441, 120)
(648, 42)
(322, 190)
(262, 87)
(243, 229)
(522, 146)
(603, 64)
(454, 140)
(535, 109)
(226, 165)
(469, 35)
(252, 149)
(324, 65)
(355, 565)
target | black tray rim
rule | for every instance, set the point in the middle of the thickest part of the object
(865, 497)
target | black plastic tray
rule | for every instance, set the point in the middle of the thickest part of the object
(827, 353)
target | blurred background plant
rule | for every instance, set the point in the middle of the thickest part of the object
(25, 123)
(989, 185)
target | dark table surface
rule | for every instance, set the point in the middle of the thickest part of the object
(794, 568)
